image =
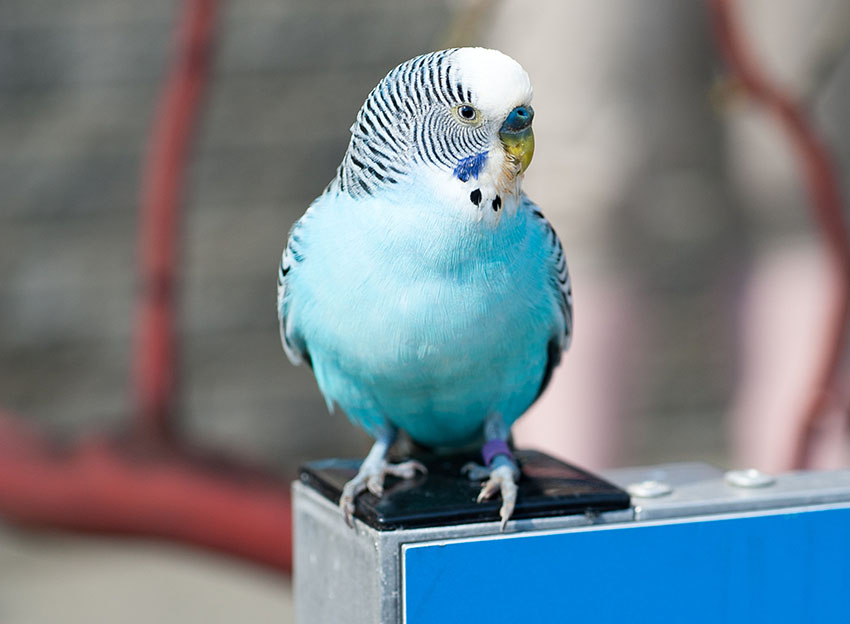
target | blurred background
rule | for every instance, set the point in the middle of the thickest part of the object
(701, 287)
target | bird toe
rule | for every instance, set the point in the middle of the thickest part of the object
(503, 480)
(375, 484)
(406, 470)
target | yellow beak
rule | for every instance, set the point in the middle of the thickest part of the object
(520, 147)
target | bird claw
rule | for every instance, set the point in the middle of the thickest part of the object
(372, 479)
(502, 477)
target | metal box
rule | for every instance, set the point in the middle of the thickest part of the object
(695, 545)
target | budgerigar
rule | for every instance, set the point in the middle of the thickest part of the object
(427, 292)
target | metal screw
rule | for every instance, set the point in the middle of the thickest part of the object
(649, 489)
(750, 478)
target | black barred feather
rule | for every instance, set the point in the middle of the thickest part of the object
(560, 277)
(407, 114)
(559, 281)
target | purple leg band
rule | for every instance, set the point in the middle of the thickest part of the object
(492, 448)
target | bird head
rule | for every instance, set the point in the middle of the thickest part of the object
(457, 122)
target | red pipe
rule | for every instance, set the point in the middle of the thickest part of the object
(99, 486)
(154, 370)
(826, 205)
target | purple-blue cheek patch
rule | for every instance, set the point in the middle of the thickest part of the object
(470, 167)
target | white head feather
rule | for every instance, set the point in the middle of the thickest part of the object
(497, 82)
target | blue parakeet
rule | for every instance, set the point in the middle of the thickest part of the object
(426, 291)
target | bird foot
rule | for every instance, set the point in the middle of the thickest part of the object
(502, 477)
(371, 477)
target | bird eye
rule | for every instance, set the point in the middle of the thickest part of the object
(466, 113)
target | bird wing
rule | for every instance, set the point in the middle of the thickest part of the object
(292, 257)
(559, 282)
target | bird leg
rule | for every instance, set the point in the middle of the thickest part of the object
(500, 472)
(372, 472)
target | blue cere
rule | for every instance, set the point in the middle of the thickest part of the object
(470, 167)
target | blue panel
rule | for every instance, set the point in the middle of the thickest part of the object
(782, 567)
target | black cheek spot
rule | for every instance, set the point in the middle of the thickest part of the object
(475, 196)
(497, 204)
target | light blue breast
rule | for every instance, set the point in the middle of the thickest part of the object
(417, 314)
